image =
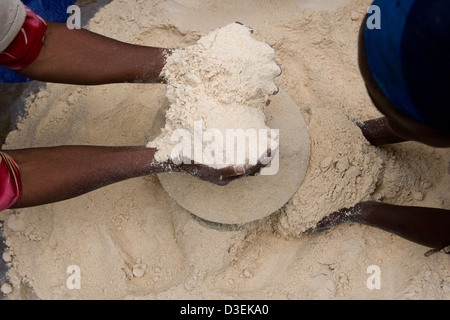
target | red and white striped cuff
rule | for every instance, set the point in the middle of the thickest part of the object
(27, 45)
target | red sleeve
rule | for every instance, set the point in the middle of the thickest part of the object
(10, 182)
(27, 45)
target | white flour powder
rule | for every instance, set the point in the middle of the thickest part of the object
(222, 82)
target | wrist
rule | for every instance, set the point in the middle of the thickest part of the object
(362, 209)
(152, 63)
(171, 166)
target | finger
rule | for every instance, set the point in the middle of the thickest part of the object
(239, 170)
(333, 219)
(279, 66)
(255, 171)
(230, 171)
(266, 158)
(251, 29)
(276, 90)
(263, 162)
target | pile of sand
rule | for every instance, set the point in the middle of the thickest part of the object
(130, 240)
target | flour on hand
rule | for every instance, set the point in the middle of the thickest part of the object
(221, 83)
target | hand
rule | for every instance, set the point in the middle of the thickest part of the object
(426, 226)
(378, 132)
(336, 218)
(222, 176)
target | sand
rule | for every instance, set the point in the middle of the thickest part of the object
(131, 241)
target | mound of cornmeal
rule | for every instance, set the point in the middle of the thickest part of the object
(215, 88)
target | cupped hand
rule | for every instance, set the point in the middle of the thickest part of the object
(223, 176)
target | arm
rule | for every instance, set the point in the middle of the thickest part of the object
(426, 226)
(86, 58)
(378, 132)
(58, 173)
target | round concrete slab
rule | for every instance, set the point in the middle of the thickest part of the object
(251, 198)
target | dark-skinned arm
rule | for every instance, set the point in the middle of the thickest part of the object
(429, 227)
(378, 132)
(58, 173)
(86, 58)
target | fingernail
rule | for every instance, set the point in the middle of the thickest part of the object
(276, 91)
(239, 169)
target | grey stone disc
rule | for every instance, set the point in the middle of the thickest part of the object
(251, 198)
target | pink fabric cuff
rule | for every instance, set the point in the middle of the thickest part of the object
(10, 182)
(27, 45)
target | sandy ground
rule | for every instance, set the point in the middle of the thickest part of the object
(132, 241)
